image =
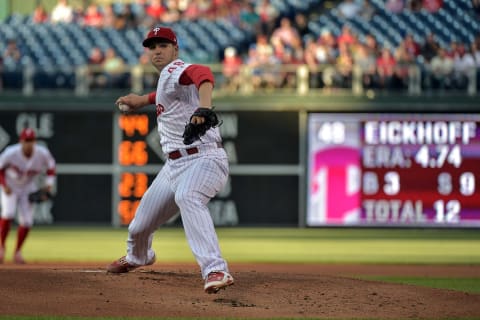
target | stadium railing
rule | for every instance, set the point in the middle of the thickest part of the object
(298, 79)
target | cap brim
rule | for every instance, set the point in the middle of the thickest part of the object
(147, 42)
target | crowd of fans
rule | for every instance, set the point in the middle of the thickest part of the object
(283, 43)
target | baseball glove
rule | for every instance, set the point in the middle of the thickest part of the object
(40, 196)
(194, 132)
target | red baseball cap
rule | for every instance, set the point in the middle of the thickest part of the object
(27, 134)
(160, 33)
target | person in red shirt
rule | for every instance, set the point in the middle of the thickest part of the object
(411, 46)
(385, 68)
(154, 12)
(40, 15)
(432, 6)
(93, 17)
(231, 65)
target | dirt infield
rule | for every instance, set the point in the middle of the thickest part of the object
(260, 291)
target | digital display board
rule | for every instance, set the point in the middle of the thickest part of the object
(393, 170)
(244, 136)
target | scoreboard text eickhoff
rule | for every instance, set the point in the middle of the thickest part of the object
(394, 169)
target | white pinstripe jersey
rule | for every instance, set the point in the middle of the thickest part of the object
(20, 171)
(175, 104)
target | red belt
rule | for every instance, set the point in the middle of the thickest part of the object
(177, 154)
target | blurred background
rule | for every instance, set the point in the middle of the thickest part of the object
(295, 80)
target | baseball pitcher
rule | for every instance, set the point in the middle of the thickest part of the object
(196, 168)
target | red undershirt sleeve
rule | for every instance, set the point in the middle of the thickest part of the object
(196, 74)
(151, 97)
(2, 177)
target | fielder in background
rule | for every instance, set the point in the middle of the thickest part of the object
(20, 165)
(195, 171)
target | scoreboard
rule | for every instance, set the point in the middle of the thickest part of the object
(393, 170)
(288, 167)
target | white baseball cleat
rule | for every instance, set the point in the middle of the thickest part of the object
(122, 266)
(18, 258)
(217, 280)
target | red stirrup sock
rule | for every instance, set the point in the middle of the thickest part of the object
(4, 230)
(21, 236)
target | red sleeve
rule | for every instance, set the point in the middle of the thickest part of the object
(2, 177)
(196, 74)
(151, 97)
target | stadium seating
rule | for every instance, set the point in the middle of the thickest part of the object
(454, 22)
(56, 49)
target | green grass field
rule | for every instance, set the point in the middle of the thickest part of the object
(272, 245)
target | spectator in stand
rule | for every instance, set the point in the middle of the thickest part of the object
(249, 19)
(93, 17)
(365, 60)
(476, 56)
(150, 79)
(404, 59)
(10, 62)
(114, 69)
(346, 37)
(40, 15)
(291, 59)
(432, 6)
(231, 68)
(227, 11)
(429, 47)
(463, 64)
(395, 6)
(193, 11)
(300, 23)
(287, 34)
(414, 5)
(440, 70)
(372, 45)
(475, 49)
(385, 68)
(110, 17)
(154, 12)
(125, 19)
(453, 50)
(78, 13)
(349, 9)
(129, 17)
(11, 56)
(411, 46)
(367, 11)
(62, 12)
(95, 62)
(344, 67)
(172, 13)
(318, 55)
(278, 47)
(263, 64)
(268, 15)
(328, 39)
(262, 45)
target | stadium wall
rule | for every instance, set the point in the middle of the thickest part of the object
(107, 159)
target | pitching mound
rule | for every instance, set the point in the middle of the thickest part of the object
(260, 291)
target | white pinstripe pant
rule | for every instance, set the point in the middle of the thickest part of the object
(186, 184)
